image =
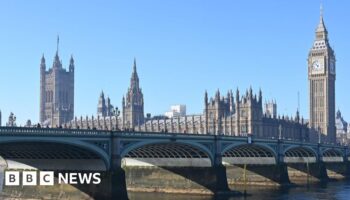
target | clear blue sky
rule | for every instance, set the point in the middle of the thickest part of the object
(182, 48)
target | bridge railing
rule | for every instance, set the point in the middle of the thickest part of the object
(99, 133)
(51, 131)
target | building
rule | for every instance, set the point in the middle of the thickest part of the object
(242, 115)
(341, 124)
(56, 92)
(176, 111)
(321, 75)
(271, 109)
(104, 107)
(11, 122)
(222, 115)
(133, 104)
(341, 129)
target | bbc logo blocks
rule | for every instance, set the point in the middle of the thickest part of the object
(29, 178)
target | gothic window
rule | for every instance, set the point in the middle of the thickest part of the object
(243, 113)
(244, 129)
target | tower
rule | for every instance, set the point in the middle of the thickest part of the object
(271, 109)
(56, 92)
(321, 75)
(133, 105)
(216, 110)
(101, 108)
(104, 107)
(249, 113)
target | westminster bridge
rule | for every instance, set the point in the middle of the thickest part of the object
(201, 160)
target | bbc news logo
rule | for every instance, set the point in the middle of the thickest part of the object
(32, 178)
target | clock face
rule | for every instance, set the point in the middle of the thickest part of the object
(316, 65)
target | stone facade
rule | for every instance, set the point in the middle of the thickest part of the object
(224, 116)
(221, 116)
(321, 73)
(56, 92)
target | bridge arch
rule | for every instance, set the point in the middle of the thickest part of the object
(248, 153)
(300, 154)
(332, 155)
(148, 151)
(47, 148)
(330, 152)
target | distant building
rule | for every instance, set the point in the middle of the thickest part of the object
(341, 124)
(271, 109)
(342, 129)
(222, 115)
(28, 123)
(11, 120)
(176, 111)
(132, 104)
(56, 92)
(104, 107)
(244, 114)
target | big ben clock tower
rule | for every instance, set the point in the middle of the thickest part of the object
(321, 73)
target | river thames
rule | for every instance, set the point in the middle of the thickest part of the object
(334, 190)
(338, 190)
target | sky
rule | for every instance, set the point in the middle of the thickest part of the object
(182, 48)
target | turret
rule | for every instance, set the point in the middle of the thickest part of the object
(250, 92)
(43, 64)
(71, 64)
(42, 88)
(297, 116)
(57, 63)
(205, 98)
(217, 95)
(237, 96)
(232, 108)
(134, 82)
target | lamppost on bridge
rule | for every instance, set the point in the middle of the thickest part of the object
(280, 132)
(319, 135)
(116, 113)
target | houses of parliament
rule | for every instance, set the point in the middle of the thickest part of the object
(234, 113)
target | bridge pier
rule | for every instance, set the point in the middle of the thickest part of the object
(281, 174)
(112, 186)
(338, 170)
(221, 179)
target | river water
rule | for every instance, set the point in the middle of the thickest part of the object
(337, 190)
